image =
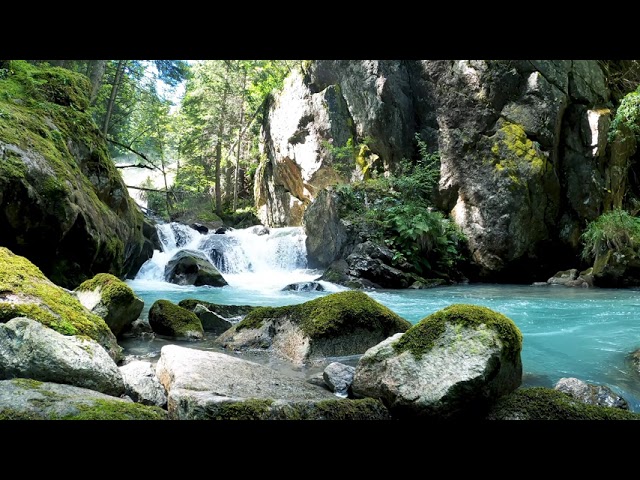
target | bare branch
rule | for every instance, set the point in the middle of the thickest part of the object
(141, 155)
(136, 165)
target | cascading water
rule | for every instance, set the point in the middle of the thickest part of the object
(254, 258)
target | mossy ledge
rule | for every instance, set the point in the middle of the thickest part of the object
(420, 338)
(179, 321)
(331, 315)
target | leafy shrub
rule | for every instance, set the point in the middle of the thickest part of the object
(627, 114)
(613, 230)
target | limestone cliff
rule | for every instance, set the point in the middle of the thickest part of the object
(523, 147)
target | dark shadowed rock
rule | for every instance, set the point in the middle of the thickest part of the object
(170, 320)
(190, 267)
(304, 287)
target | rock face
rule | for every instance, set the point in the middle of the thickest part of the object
(522, 145)
(343, 323)
(26, 292)
(111, 299)
(28, 349)
(190, 267)
(63, 204)
(452, 364)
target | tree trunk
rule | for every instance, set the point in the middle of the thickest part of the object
(114, 92)
(95, 72)
(235, 181)
(218, 193)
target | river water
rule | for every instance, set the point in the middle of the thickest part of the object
(567, 332)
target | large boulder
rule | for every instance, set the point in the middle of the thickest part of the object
(28, 399)
(190, 267)
(28, 349)
(338, 324)
(170, 320)
(454, 363)
(26, 292)
(111, 299)
(204, 385)
(63, 203)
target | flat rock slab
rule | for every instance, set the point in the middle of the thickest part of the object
(227, 376)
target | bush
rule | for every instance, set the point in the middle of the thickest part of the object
(613, 230)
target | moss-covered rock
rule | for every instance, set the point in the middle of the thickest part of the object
(26, 399)
(168, 319)
(343, 323)
(541, 403)
(112, 299)
(26, 292)
(452, 364)
(423, 336)
(63, 204)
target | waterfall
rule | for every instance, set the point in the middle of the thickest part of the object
(250, 258)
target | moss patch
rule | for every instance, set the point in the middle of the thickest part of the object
(331, 315)
(515, 155)
(421, 338)
(540, 403)
(117, 410)
(251, 409)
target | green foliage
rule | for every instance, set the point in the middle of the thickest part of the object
(351, 155)
(397, 211)
(627, 114)
(614, 230)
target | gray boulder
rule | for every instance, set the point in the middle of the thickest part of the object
(190, 267)
(28, 349)
(209, 385)
(339, 378)
(591, 394)
(142, 385)
(452, 364)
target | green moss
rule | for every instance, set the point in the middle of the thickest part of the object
(515, 155)
(13, 414)
(540, 403)
(250, 409)
(116, 410)
(45, 302)
(112, 288)
(333, 314)
(421, 338)
(346, 409)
